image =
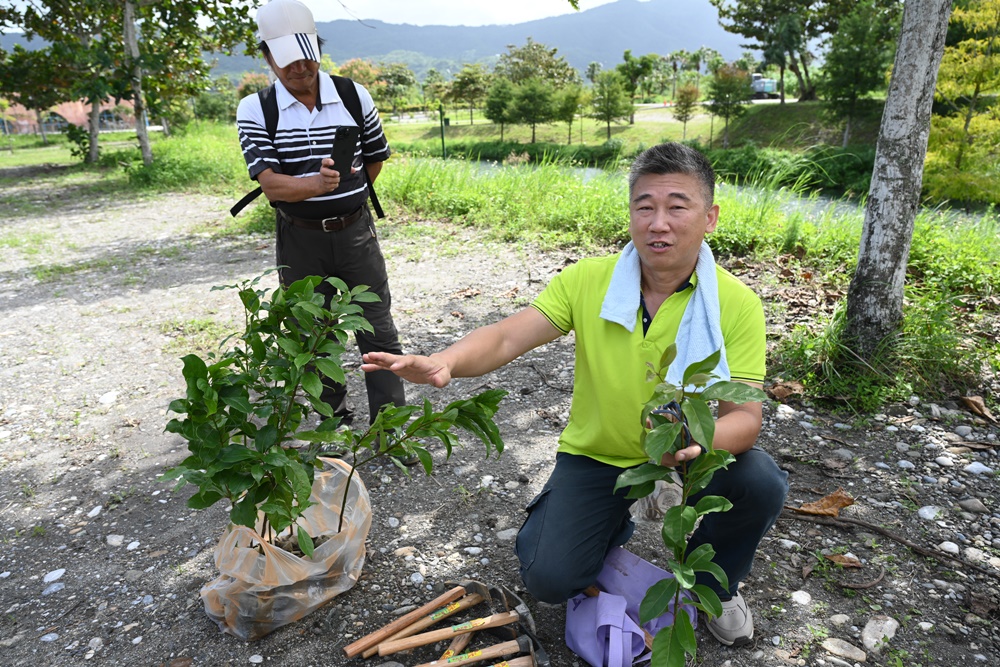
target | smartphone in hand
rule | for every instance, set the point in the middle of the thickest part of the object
(345, 142)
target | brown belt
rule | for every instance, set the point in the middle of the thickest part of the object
(334, 224)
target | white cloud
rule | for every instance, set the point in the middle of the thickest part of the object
(445, 12)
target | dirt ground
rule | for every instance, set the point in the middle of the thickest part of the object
(101, 563)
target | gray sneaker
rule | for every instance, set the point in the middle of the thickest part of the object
(735, 626)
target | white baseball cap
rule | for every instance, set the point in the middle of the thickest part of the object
(288, 28)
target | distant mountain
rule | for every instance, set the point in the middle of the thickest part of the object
(601, 34)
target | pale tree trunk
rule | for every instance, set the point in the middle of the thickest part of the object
(847, 133)
(875, 297)
(132, 51)
(95, 128)
(41, 126)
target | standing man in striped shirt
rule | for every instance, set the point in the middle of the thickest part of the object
(324, 225)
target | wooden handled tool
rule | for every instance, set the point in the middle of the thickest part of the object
(592, 591)
(457, 645)
(379, 635)
(494, 621)
(519, 645)
(429, 620)
(523, 661)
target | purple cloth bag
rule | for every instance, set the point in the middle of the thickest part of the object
(603, 630)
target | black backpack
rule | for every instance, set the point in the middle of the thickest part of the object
(269, 105)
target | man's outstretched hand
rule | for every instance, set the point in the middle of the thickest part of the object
(411, 367)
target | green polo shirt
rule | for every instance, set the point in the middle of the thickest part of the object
(610, 385)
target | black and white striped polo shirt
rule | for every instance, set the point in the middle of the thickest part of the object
(303, 138)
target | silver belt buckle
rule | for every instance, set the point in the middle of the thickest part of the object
(323, 222)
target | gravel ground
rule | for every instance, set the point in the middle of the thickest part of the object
(101, 563)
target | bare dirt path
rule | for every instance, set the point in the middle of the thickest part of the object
(101, 563)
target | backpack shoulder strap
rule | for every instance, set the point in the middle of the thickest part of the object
(349, 94)
(269, 105)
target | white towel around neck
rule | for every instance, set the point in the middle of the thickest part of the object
(700, 330)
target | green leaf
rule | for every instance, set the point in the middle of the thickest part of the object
(710, 504)
(667, 649)
(706, 365)
(647, 472)
(276, 458)
(331, 369)
(657, 599)
(708, 599)
(302, 359)
(366, 297)
(662, 440)
(683, 573)
(301, 484)
(312, 385)
(244, 513)
(267, 437)
(290, 346)
(305, 542)
(684, 632)
(237, 453)
(203, 499)
(678, 521)
(699, 557)
(425, 459)
(699, 420)
(239, 403)
(668, 356)
(733, 392)
(701, 379)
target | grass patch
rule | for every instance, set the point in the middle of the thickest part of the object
(26, 242)
(197, 336)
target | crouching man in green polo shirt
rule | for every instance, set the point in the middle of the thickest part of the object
(626, 309)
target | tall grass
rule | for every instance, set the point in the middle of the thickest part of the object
(205, 158)
(545, 202)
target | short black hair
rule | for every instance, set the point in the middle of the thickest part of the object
(674, 158)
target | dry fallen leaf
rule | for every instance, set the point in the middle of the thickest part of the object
(467, 293)
(844, 561)
(978, 407)
(830, 505)
(781, 390)
(458, 314)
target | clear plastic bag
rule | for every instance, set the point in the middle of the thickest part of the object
(263, 587)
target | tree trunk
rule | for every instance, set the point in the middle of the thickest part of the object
(166, 126)
(609, 130)
(847, 133)
(794, 67)
(132, 52)
(41, 126)
(781, 81)
(470, 114)
(95, 129)
(810, 89)
(532, 133)
(875, 297)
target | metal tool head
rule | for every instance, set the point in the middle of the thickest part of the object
(510, 601)
(472, 586)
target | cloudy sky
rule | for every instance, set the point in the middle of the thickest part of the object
(445, 12)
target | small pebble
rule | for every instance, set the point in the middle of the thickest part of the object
(54, 575)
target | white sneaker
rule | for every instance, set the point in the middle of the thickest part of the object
(735, 626)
